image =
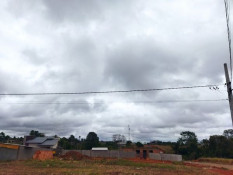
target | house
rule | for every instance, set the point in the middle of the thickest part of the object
(43, 142)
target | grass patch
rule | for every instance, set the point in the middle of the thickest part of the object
(177, 167)
(96, 167)
(178, 163)
(52, 164)
(123, 162)
(217, 160)
(6, 161)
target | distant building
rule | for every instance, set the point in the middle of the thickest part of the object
(99, 149)
(120, 139)
(26, 138)
(143, 152)
(43, 142)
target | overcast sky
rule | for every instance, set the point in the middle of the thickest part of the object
(99, 45)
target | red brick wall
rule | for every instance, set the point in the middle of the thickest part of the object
(43, 155)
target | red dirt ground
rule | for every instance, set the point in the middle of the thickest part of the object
(212, 168)
(59, 167)
(43, 155)
(73, 155)
(209, 167)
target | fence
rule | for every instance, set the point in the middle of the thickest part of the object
(24, 153)
(166, 157)
(105, 154)
(123, 154)
(17, 152)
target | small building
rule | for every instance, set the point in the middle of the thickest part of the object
(99, 149)
(143, 152)
(43, 142)
(119, 139)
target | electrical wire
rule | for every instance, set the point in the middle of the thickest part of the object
(134, 102)
(107, 92)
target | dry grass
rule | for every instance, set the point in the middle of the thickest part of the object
(217, 160)
(167, 148)
(96, 167)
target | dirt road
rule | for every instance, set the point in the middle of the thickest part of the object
(229, 167)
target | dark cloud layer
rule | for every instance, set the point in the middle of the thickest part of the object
(75, 46)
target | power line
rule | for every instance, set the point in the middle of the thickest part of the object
(107, 92)
(227, 10)
(136, 102)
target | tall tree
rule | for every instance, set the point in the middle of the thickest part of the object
(139, 144)
(92, 140)
(204, 148)
(220, 146)
(36, 133)
(128, 143)
(228, 133)
(4, 138)
(187, 145)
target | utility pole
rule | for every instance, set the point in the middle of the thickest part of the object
(229, 90)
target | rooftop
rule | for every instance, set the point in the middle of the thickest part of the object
(100, 149)
(43, 141)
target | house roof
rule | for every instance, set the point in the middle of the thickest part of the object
(50, 142)
(37, 140)
(44, 141)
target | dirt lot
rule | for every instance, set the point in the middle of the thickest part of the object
(105, 167)
(206, 164)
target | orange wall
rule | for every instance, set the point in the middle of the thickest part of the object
(9, 146)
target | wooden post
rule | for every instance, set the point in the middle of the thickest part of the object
(229, 90)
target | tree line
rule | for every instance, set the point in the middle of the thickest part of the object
(187, 144)
(216, 146)
(71, 142)
(91, 140)
(7, 139)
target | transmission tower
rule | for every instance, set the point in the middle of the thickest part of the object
(129, 132)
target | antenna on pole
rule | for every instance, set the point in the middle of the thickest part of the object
(129, 132)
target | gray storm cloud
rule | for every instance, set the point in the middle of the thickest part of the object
(76, 46)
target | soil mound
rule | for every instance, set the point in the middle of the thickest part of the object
(73, 155)
(43, 155)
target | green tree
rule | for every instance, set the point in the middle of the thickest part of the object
(220, 146)
(73, 142)
(4, 138)
(111, 145)
(128, 143)
(204, 148)
(92, 140)
(70, 143)
(228, 133)
(64, 143)
(217, 145)
(187, 145)
(139, 144)
(36, 133)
